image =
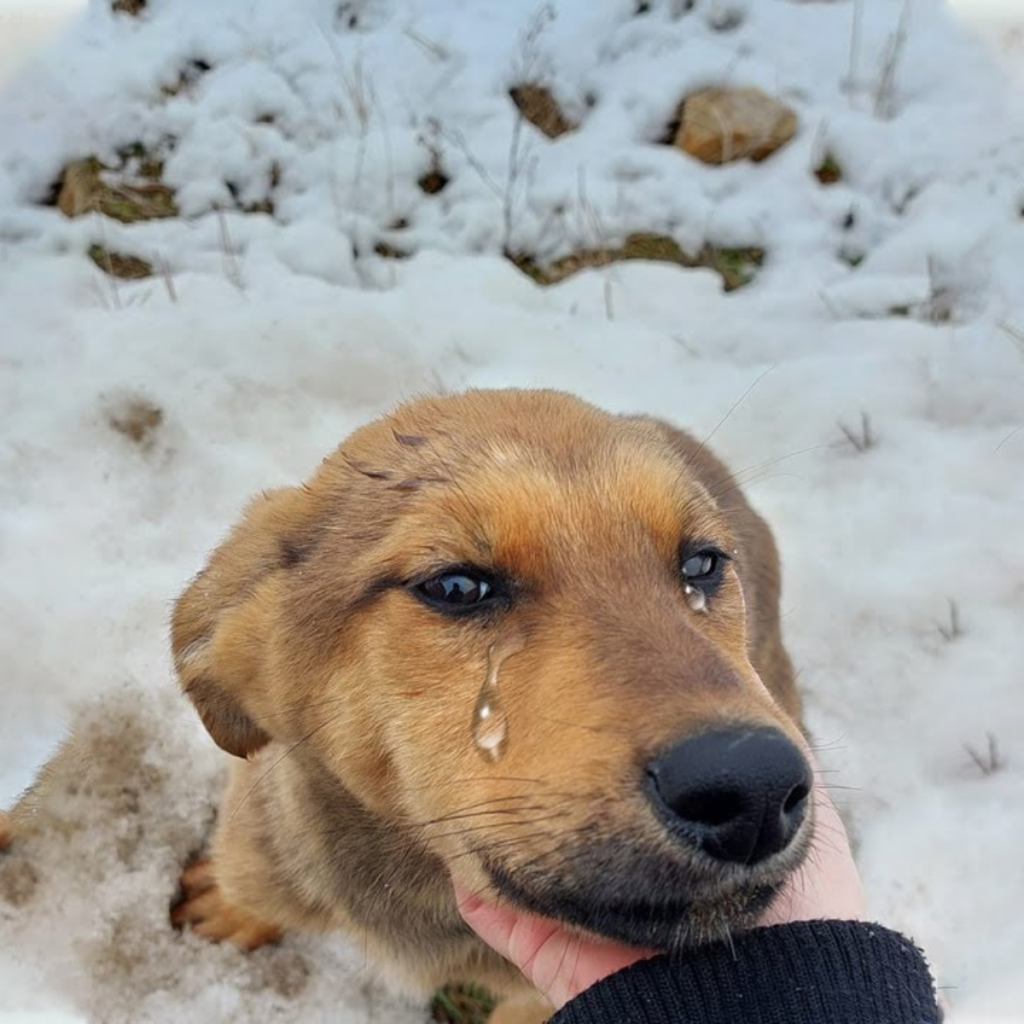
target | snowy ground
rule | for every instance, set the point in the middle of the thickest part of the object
(28, 25)
(269, 337)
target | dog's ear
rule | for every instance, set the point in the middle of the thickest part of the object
(221, 624)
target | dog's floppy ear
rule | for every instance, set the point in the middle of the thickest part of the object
(222, 622)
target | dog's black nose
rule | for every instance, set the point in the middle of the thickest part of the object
(738, 794)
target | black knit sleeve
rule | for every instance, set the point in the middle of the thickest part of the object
(818, 972)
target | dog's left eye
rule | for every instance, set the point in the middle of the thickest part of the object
(701, 566)
(454, 590)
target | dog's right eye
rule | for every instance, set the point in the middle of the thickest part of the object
(454, 591)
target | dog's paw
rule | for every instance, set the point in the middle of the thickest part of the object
(203, 906)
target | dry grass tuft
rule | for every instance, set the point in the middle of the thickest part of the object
(88, 186)
(461, 1004)
(736, 266)
(116, 264)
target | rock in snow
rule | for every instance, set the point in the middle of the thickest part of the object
(722, 125)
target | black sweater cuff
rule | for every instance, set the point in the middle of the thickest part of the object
(817, 972)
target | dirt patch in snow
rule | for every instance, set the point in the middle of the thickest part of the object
(93, 868)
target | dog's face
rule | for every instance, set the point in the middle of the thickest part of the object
(517, 626)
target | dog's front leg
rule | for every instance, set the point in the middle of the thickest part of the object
(212, 914)
(240, 893)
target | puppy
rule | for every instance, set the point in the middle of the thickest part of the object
(509, 638)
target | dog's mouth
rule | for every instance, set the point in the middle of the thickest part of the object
(647, 901)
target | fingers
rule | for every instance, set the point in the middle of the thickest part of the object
(559, 963)
(494, 924)
(827, 885)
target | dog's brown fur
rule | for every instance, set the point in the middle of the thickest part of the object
(358, 791)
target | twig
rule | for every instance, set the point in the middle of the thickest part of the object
(954, 630)
(458, 140)
(529, 52)
(593, 233)
(989, 762)
(863, 440)
(430, 46)
(853, 72)
(111, 277)
(165, 275)
(884, 107)
(228, 255)
(1009, 437)
(1013, 333)
(512, 177)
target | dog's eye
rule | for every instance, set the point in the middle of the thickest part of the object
(454, 590)
(701, 566)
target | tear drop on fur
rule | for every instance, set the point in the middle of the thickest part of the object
(490, 726)
(696, 599)
(490, 723)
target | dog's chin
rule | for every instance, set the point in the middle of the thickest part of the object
(641, 913)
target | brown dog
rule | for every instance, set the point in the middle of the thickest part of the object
(508, 637)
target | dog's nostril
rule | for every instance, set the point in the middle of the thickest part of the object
(739, 794)
(714, 808)
(797, 797)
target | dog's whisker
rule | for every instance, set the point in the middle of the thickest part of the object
(839, 743)
(489, 849)
(727, 938)
(485, 807)
(423, 831)
(288, 752)
(492, 826)
(488, 827)
(732, 408)
(753, 473)
(486, 778)
(294, 709)
(742, 476)
(598, 729)
(485, 804)
(825, 828)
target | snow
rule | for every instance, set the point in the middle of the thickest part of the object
(270, 337)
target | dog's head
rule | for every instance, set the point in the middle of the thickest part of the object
(522, 629)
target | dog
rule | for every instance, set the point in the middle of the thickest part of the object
(511, 639)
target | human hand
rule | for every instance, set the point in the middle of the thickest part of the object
(561, 963)
(556, 961)
(827, 886)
